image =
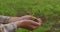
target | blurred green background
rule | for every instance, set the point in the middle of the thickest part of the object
(48, 10)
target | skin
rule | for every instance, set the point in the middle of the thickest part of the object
(26, 22)
(27, 17)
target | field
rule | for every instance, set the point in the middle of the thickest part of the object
(48, 10)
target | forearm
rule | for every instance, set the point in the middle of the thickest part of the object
(7, 19)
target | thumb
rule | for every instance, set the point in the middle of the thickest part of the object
(39, 20)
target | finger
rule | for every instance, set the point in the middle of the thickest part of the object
(32, 27)
(35, 23)
(39, 21)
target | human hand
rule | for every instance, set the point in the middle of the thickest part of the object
(28, 24)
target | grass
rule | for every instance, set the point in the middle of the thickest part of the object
(47, 9)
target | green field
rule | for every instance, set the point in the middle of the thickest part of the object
(49, 10)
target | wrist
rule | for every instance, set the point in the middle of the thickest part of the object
(17, 24)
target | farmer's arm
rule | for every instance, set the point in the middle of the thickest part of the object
(7, 19)
(26, 24)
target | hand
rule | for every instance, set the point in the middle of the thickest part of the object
(28, 24)
(27, 17)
